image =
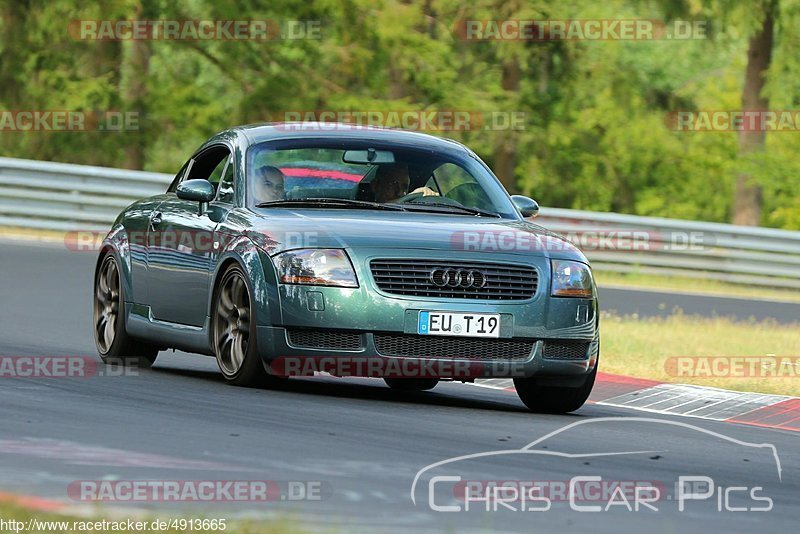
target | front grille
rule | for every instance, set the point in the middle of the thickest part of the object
(412, 346)
(493, 281)
(565, 350)
(324, 339)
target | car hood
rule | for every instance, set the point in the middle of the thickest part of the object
(283, 229)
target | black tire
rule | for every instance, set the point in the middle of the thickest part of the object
(411, 384)
(114, 345)
(553, 399)
(233, 331)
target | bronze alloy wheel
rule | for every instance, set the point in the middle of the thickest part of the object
(114, 344)
(106, 305)
(234, 333)
(232, 323)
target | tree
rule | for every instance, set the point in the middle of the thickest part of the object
(747, 193)
(136, 69)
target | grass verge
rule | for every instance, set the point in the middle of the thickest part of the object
(717, 352)
(31, 234)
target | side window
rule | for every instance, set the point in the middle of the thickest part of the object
(216, 175)
(209, 165)
(178, 178)
(225, 190)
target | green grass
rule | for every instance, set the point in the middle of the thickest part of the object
(645, 348)
(694, 285)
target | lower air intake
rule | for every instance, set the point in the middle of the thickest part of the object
(413, 346)
(566, 350)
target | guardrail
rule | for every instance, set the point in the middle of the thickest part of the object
(726, 252)
(60, 196)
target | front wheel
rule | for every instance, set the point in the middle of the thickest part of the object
(234, 331)
(411, 384)
(553, 399)
(114, 344)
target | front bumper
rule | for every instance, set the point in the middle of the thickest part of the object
(283, 356)
(541, 322)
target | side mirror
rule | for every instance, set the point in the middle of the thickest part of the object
(199, 190)
(526, 206)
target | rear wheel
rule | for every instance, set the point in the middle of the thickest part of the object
(113, 342)
(553, 399)
(411, 384)
(234, 331)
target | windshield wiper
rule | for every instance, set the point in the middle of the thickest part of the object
(329, 203)
(471, 211)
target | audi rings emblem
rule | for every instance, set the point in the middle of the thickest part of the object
(465, 278)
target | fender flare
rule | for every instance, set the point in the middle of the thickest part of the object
(261, 279)
(117, 243)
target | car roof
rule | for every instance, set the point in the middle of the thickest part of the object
(258, 133)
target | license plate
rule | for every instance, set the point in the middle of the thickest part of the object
(459, 324)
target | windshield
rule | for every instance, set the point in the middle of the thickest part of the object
(372, 176)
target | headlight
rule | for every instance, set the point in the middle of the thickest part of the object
(571, 279)
(315, 266)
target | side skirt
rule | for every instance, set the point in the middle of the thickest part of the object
(141, 325)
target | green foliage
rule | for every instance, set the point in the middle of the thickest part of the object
(595, 134)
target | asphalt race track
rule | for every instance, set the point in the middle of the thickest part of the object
(358, 443)
(664, 303)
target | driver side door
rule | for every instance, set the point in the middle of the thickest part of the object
(184, 243)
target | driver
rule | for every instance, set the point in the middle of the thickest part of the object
(391, 183)
(269, 184)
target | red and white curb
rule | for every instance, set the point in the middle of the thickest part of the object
(757, 409)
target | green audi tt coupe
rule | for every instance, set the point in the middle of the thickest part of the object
(295, 248)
